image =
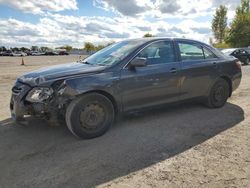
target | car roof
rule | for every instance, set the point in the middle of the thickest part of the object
(152, 39)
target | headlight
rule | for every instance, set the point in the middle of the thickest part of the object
(39, 94)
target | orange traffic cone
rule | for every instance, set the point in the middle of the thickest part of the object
(22, 63)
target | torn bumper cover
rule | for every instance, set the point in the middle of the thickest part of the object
(26, 101)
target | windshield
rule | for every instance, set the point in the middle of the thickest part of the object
(248, 50)
(113, 53)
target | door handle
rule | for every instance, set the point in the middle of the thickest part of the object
(215, 64)
(173, 71)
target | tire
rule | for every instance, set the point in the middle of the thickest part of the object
(90, 115)
(219, 94)
(247, 62)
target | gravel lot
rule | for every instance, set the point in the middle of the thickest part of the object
(182, 146)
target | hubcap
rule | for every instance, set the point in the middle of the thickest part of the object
(219, 94)
(92, 116)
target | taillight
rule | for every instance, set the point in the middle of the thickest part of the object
(238, 64)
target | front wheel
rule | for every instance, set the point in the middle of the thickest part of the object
(247, 62)
(90, 115)
(218, 94)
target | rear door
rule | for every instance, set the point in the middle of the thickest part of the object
(199, 68)
(156, 83)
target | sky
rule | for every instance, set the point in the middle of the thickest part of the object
(55, 23)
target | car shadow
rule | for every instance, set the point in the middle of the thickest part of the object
(39, 155)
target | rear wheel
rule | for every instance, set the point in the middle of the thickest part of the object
(90, 115)
(219, 94)
(247, 62)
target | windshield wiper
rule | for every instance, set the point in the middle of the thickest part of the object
(101, 64)
(85, 62)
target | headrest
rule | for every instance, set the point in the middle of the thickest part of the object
(165, 52)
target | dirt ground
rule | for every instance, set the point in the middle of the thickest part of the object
(182, 146)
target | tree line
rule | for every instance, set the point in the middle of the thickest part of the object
(68, 48)
(237, 33)
(91, 47)
(88, 47)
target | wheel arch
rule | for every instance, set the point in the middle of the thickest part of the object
(229, 81)
(106, 94)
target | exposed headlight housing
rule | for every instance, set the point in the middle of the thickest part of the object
(39, 94)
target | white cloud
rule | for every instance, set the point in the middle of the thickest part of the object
(55, 29)
(126, 8)
(156, 8)
(231, 4)
(133, 19)
(182, 9)
(39, 6)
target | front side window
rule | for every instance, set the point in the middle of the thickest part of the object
(190, 51)
(158, 53)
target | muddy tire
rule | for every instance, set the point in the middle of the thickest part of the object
(90, 115)
(219, 94)
(247, 62)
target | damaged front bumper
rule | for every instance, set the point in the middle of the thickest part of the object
(20, 108)
(17, 108)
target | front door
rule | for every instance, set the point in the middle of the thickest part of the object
(155, 83)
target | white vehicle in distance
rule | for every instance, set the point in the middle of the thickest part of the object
(36, 53)
(228, 51)
(19, 54)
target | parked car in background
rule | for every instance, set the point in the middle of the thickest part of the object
(19, 54)
(243, 54)
(63, 53)
(51, 53)
(123, 77)
(7, 53)
(36, 53)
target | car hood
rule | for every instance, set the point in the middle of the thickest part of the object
(58, 71)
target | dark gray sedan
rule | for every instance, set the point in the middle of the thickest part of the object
(126, 76)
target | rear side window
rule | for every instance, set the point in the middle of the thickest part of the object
(243, 52)
(208, 54)
(192, 51)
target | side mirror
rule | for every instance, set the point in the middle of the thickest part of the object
(138, 62)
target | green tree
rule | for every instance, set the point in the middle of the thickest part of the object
(15, 49)
(3, 49)
(148, 35)
(34, 48)
(99, 47)
(221, 45)
(24, 49)
(45, 49)
(239, 33)
(110, 43)
(68, 48)
(219, 23)
(89, 47)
